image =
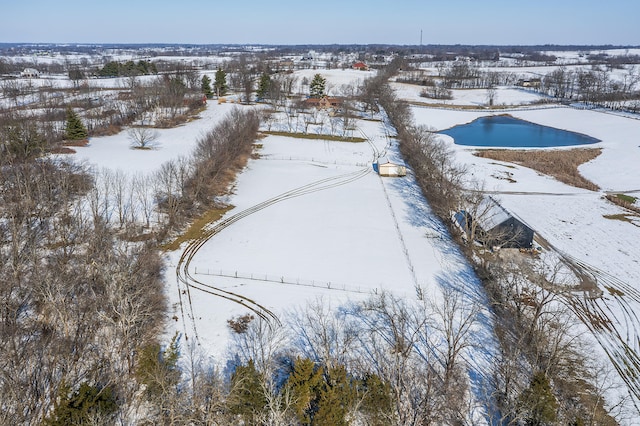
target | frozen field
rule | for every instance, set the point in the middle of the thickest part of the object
(311, 220)
(331, 229)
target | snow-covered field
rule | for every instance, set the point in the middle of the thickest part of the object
(115, 152)
(570, 218)
(580, 224)
(342, 233)
(331, 230)
(503, 96)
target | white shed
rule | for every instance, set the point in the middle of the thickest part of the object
(30, 73)
(387, 168)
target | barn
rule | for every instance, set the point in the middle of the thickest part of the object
(361, 66)
(30, 73)
(384, 167)
(494, 226)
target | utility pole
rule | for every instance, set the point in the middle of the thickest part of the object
(420, 37)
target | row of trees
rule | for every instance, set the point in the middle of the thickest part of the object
(82, 300)
(22, 139)
(542, 374)
(594, 86)
(380, 362)
(77, 302)
(129, 68)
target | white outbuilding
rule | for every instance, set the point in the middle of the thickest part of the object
(387, 168)
(30, 73)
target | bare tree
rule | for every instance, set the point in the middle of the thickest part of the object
(142, 137)
(491, 95)
(322, 334)
(287, 83)
(143, 190)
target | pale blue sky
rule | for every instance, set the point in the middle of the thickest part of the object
(322, 22)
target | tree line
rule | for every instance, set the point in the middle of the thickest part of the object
(542, 374)
(82, 304)
(82, 310)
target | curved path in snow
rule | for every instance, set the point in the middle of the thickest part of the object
(610, 310)
(187, 282)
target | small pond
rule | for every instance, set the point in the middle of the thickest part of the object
(504, 131)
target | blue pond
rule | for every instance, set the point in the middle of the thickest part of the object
(508, 132)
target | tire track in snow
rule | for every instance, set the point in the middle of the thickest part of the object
(188, 281)
(617, 331)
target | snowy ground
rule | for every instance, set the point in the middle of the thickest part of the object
(115, 152)
(570, 218)
(573, 220)
(346, 235)
(503, 96)
(341, 233)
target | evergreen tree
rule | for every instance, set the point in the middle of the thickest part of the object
(146, 67)
(247, 397)
(336, 398)
(88, 403)
(158, 369)
(206, 86)
(305, 383)
(538, 403)
(377, 404)
(220, 83)
(23, 141)
(74, 130)
(322, 397)
(110, 69)
(264, 86)
(317, 86)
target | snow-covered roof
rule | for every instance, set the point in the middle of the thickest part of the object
(491, 214)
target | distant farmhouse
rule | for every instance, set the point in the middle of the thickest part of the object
(534, 83)
(30, 73)
(361, 66)
(324, 102)
(494, 226)
(384, 167)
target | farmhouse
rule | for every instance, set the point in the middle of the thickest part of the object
(324, 102)
(534, 82)
(384, 167)
(30, 73)
(491, 224)
(361, 66)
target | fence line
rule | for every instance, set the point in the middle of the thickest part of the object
(313, 160)
(326, 285)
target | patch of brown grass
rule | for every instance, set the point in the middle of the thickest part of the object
(625, 201)
(62, 150)
(196, 228)
(317, 136)
(78, 142)
(108, 130)
(629, 218)
(561, 164)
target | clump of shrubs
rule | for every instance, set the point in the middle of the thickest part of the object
(240, 324)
